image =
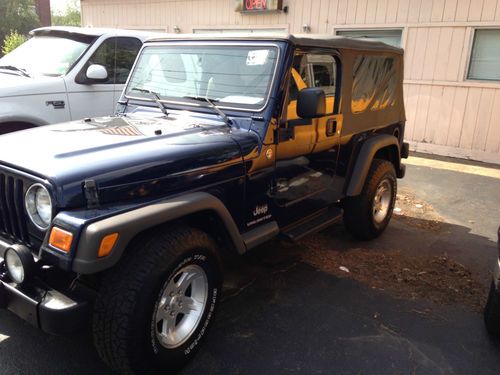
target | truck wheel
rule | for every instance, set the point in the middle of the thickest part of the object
(367, 215)
(492, 312)
(155, 306)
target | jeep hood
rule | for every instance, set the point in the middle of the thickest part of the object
(12, 84)
(128, 157)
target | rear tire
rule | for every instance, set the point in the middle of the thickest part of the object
(156, 304)
(492, 312)
(367, 215)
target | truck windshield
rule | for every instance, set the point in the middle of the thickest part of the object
(229, 76)
(45, 55)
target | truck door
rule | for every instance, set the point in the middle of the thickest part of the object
(307, 149)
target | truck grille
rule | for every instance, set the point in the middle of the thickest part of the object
(12, 214)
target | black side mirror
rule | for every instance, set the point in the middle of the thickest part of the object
(311, 103)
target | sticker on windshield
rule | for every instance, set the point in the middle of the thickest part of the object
(241, 99)
(257, 57)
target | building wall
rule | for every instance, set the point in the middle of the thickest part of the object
(447, 114)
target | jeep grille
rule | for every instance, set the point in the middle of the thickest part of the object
(12, 214)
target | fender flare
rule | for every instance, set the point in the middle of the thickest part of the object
(131, 223)
(364, 160)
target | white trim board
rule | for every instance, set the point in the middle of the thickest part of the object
(456, 152)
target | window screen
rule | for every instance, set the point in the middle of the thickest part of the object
(374, 83)
(392, 37)
(485, 58)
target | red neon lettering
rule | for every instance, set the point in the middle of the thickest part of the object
(255, 4)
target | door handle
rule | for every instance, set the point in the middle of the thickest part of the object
(331, 127)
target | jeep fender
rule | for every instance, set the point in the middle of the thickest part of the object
(364, 160)
(131, 223)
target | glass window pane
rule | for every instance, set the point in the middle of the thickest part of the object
(485, 58)
(392, 37)
(323, 70)
(105, 56)
(117, 55)
(126, 52)
(231, 75)
(33, 57)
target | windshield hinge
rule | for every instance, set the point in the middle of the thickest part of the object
(91, 193)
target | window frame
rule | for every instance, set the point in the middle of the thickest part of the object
(467, 77)
(272, 84)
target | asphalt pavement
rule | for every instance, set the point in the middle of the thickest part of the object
(280, 315)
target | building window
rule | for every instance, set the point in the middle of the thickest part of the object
(392, 37)
(485, 56)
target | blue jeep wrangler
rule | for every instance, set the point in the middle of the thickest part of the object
(219, 144)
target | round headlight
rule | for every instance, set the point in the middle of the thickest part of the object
(39, 206)
(14, 266)
(19, 263)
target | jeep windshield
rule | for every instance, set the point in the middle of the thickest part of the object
(44, 55)
(230, 76)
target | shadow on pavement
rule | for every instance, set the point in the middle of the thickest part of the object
(280, 315)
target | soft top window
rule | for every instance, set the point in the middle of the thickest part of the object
(374, 83)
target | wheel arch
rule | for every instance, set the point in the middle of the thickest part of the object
(15, 125)
(200, 210)
(382, 146)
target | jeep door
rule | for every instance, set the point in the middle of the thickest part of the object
(90, 98)
(307, 149)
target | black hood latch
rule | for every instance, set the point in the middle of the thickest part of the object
(91, 193)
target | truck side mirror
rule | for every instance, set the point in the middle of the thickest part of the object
(96, 73)
(311, 103)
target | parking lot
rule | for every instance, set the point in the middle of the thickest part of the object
(287, 311)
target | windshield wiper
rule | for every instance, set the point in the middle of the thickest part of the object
(15, 69)
(211, 104)
(155, 96)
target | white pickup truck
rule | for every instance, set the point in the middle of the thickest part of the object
(65, 73)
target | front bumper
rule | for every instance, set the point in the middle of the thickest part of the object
(43, 306)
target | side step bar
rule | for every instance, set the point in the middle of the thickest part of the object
(314, 224)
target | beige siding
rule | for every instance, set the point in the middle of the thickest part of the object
(446, 113)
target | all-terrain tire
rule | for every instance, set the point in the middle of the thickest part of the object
(124, 319)
(360, 216)
(492, 311)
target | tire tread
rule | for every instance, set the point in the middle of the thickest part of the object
(122, 285)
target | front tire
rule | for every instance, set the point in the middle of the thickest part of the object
(155, 306)
(367, 215)
(492, 312)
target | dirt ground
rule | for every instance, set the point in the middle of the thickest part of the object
(435, 277)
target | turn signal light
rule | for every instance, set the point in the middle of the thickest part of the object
(107, 244)
(61, 239)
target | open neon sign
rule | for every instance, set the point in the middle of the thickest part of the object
(261, 5)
